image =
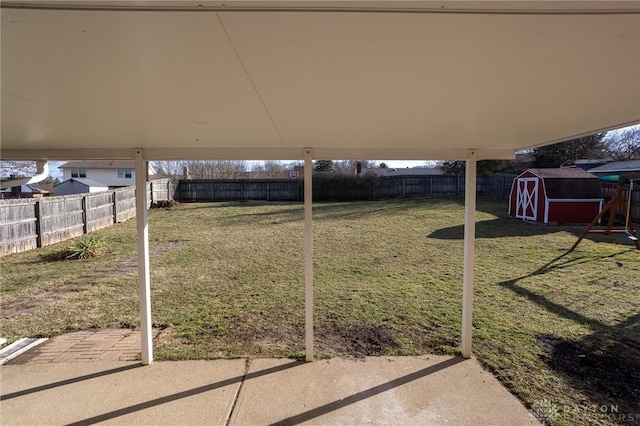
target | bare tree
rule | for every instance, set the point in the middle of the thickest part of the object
(17, 168)
(216, 169)
(349, 167)
(624, 144)
(169, 168)
(269, 169)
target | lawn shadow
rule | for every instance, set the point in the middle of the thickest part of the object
(506, 227)
(355, 210)
(604, 364)
(560, 262)
(494, 228)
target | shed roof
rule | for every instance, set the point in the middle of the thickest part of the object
(87, 182)
(566, 173)
(350, 79)
(576, 184)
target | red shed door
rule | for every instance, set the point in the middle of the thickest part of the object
(527, 199)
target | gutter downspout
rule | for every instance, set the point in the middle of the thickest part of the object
(42, 171)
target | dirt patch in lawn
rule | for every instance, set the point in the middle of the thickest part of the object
(604, 365)
(56, 294)
(354, 340)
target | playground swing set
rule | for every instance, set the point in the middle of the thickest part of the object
(615, 205)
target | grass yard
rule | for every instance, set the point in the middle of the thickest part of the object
(562, 333)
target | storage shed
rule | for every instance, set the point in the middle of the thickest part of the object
(556, 196)
(79, 186)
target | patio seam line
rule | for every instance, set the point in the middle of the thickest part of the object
(237, 395)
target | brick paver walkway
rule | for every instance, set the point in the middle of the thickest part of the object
(86, 346)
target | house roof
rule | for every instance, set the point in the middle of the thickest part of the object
(86, 182)
(415, 171)
(121, 164)
(29, 188)
(349, 79)
(632, 166)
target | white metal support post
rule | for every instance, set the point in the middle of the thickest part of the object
(469, 252)
(308, 254)
(144, 281)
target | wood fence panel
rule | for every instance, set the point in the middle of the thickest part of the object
(228, 190)
(62, 218)
(390, 187)
(326, 187)
(160, 190)
(415, 186)
(125, 204)
(445, 185)
(98, 211)
(283, 190)
(17, 226)
(29, 223)
(609, 190)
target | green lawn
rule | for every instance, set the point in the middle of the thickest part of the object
(562, 333)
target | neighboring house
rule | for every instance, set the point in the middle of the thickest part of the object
(585, 164)
(79, 186)
(23, 191)
(617, 168)
(114, 174)
(415, 171)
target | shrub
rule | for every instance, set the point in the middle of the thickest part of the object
(84, 247)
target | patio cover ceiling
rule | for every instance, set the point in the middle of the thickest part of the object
(356, 79)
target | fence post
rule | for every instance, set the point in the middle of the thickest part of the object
(115, 210)
(403, 187)
(39, 227)
(85, 218)
(268, 189)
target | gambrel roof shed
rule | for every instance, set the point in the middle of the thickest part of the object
(556, 196)
(309, 79)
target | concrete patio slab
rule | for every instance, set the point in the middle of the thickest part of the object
(427, 390)
(430, 390)
(167, 393)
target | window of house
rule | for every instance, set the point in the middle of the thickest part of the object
(78, 173)
(125, 174)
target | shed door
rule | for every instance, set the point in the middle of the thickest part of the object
(527, 199)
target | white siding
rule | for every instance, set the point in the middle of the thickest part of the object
(108, 177)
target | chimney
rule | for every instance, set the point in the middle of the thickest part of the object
(16, 191)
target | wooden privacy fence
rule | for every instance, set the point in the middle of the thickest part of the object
(609, 190)
(37, 222)
(337, 187)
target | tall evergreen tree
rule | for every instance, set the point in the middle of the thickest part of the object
(323, 166)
